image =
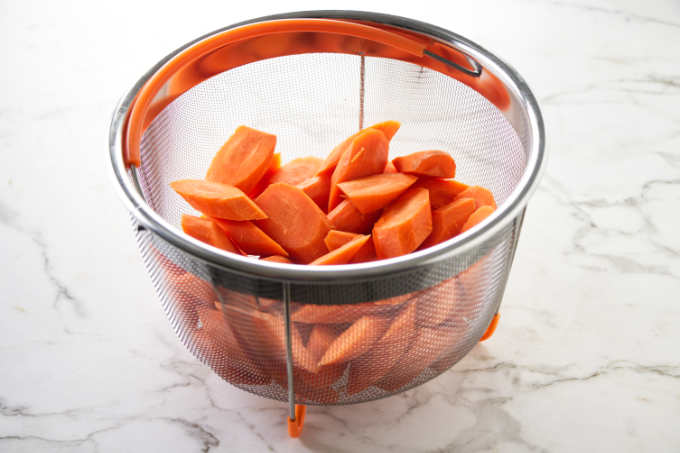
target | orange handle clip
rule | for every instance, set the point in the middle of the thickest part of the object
(295, 426)
(492, 327)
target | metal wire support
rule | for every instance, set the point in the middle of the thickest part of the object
(289, 350)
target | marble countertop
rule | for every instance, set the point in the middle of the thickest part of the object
(587, 354)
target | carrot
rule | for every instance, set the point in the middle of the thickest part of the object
(365, 253)
(343, 254)
(188, 286)
(295, 221)
(369, 368)
(404, 224)
(374, 192)
(206, 230)
(390, 168)
(337, 238)
(317, 188)
(442, 191)
(243, 159)
(366, 155)
(438, 304)
(448, 220)
(427, 163)
(277, 259)
(250, 238)
(356, 340)
(346, 217)
(339, 314)
(389, 128)
(297, 171)
(262, 184)
(477, 216)
(482, 196)
(218, 200)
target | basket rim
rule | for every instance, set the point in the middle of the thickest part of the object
(130, 192)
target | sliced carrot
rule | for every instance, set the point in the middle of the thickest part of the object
(442, 191)
(370, 367)
(448, 220)
(188, 286)
(477, 216)
(278, 259)
(404, 224)
(297, 171)
(356, 340)
(262, 184)
(365, 253)
(365, 156)
(346, 217)
(337, 238)
(389, 128)
(427, 163)
(250, 238)
(438, 304)
(295, 221)
(217, 200)
(206, 230)
(374, 192)
(340, 314)
(481, 195)
(390, 168)
(243, 159)
(344, 253)
(317, 188)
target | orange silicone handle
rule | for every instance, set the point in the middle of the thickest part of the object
(295, 426)
(492, 327)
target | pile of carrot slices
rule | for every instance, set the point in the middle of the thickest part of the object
(355, 206)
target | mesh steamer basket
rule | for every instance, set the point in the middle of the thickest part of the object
(312, 78)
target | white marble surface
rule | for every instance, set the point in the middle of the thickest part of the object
(587, 356)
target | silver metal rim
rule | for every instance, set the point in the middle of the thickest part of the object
(518, 199)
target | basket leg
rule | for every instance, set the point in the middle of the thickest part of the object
(492, 327)
(296, 419)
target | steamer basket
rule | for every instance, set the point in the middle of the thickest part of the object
(312, 78)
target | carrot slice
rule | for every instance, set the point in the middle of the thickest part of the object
(442, 191)
(243, 159)
(262, 184)
(317, 188)
(346, 217)
(356, 340)
(297, 171)
(438, 304)
(278, 259)
(339, 314)
(481, 195)
(427, 163)
(218, 200)
(295, 221)
(365, 156)
(337, 238)
(250, 238)
(365, 253)
(206, 230)
(343, 254)
(390, 168)
(477, 216)
(369, 368)
(389, 128)
(374, 192)
(448, 220)
(404, 224)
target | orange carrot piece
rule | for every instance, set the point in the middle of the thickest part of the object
(207, 231)
(369, 368)
(243, 159)
(250, 238)
(438, 304)
(356, 340)
(477, 216)
(481, 195)
(448, 220)
(277, 259)
(262, 184)
(337, 238)
(390, 168)
(365, 253)
(338, 314)
(297, 171)
(295, 221)
(365, 156)
(346, 217)
(442, 191)
(343, 254)
(218, 200)
(389, 128)
(317, 188)
(374, 192)
(404, 224)
(427, 163)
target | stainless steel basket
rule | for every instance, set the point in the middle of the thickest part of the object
(313, 78)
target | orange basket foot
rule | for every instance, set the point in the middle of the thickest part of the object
(492, 327)
(295, 426)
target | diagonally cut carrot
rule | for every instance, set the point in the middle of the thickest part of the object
(389, 128)
(481, 195)
(427, 163)
(477, 216)
(344, 253)
(218, 200)
(338, 314)
(317, 188)
(442, 191)
(295, 221)
(390, 168)
(277, 259)
(356, 340)
(297, 171)
(448, 220)
(404, 224)
(250, 238)
(243, 159)
(346, 217)
(374, 192)
(262, 184)
(337, 238)
(207, 231)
